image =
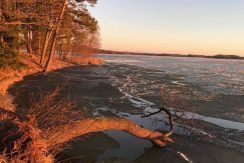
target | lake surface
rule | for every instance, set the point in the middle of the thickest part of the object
(207, 95)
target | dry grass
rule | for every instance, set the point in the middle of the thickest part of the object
(28, 138)
(83, 60)
(6, 102)
(52, 114)
(31, 138)
(53, 110)
(88, 61)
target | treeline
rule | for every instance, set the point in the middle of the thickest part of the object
(219, 56)
(46, 28)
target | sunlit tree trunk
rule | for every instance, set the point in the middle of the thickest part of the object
(29, 44)
(1, 38)
(91, 125)
(39, 42)
(52, 51)
(45, 45)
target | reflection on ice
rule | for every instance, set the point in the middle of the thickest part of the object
(130, 146)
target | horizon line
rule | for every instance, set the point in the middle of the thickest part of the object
(166, 53)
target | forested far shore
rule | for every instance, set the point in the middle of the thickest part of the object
(218, 56)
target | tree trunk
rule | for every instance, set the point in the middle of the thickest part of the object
(39, 42)
(52, 51)
(91, 125)
(29, 44)
(1, 36)
(45, 45)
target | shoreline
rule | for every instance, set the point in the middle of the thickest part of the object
(9, 77)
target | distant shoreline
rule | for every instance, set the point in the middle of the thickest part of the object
(219, 56)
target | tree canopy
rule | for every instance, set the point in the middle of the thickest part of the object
(45, 28)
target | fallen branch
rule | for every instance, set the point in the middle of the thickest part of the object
(91, 125)
(170, 132)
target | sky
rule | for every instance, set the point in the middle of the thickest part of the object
(205, 27)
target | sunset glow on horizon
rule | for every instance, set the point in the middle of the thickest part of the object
(172, 26)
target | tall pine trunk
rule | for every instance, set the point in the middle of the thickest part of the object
(45, 45)
(39, 41)
(29, 43)
(52, 51)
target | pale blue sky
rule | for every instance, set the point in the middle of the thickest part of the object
(172, 26)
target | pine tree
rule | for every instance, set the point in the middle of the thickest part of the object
(9, 37)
